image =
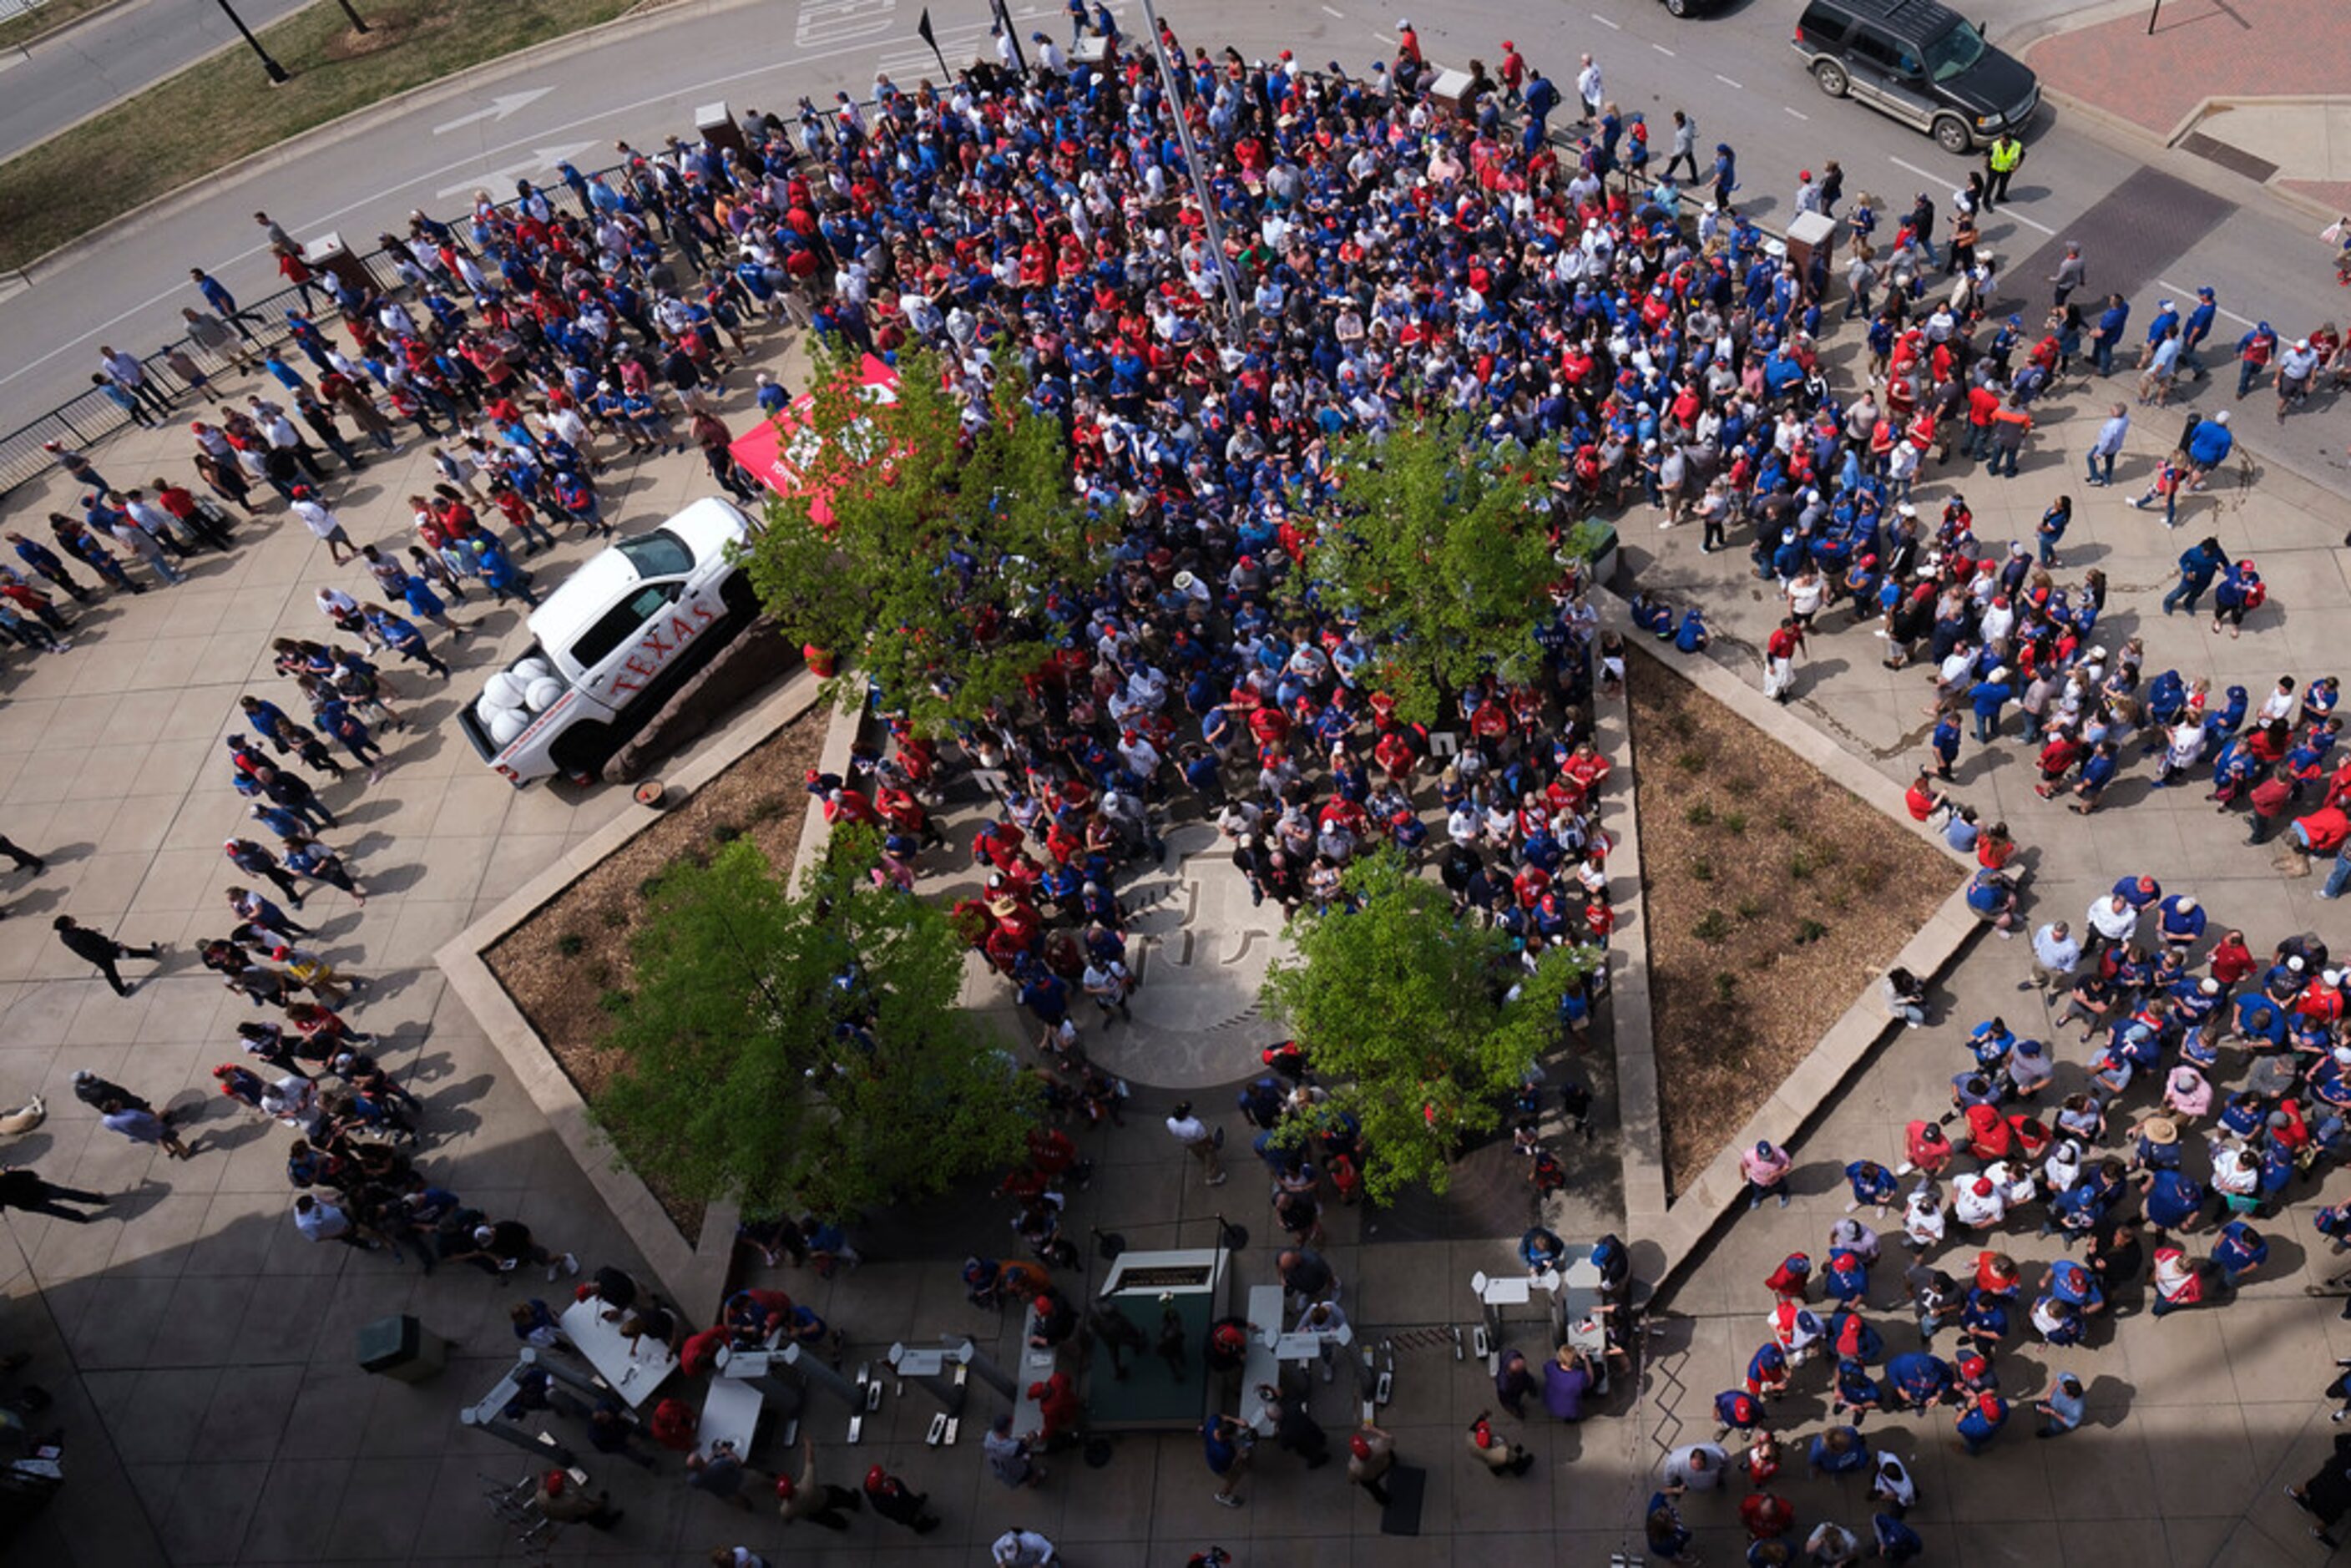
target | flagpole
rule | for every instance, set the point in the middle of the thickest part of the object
(1192, 168)
(931, 38)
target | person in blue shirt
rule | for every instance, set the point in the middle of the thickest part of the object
(1979, 1421)
(1896, 1541)
(45, 562)
(2097, 772)
(1540, 1250)
(402, 638)
(1989, 697)
(2208, 446)
(1838, 1451)
(2111, 322)
(1945, 742)
(2173, 1199)
(2198, 567)
(1692, 636)
(1920, 1379)
(2196, 330)
(1857, 1390)
(1873, 1185)
(1992, 897)
(2239, 1250)
(2182, 922)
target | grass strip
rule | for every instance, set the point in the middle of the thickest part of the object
(222, 109)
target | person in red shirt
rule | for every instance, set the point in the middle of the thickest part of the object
(1057, 1399)
(1780, 653)
(1793, 1279)
(2230, 959)
(1923, 799)
(1766, 1515)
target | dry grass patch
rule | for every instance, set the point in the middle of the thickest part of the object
(569, 964)
(1774, 897)
(103, 168)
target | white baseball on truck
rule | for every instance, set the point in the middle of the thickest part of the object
(611, 643)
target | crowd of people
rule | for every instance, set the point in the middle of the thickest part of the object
(1393, 256)
(2154, 1175)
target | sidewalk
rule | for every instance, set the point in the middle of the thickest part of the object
(2197, 1422)
(2261, 82)
(200, 1350)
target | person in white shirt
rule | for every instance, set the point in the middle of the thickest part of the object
(1892, 1483)
(1019, 1547)
(1922, 1217)
(2113, 918)
(1192, 1133)
(1695, 1467)
(2055, 954)
(325, 524)
(1978, 1203)
(320, 1221)
(1324, 1320)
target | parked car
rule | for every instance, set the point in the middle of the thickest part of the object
(610, 644)
(1919, 62)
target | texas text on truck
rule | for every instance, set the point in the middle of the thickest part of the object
(620, 634)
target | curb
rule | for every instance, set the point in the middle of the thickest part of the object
(24, 45)
(691, 1269)
(361, 121)
(1640, 1125)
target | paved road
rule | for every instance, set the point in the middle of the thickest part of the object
(111, 56)
(1734, 69)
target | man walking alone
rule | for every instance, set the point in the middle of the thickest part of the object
(101, 950)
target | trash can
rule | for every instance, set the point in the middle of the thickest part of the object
(328, 253)
(401, 1347)
(1809, 234)
(1450, 92)
(719, 128)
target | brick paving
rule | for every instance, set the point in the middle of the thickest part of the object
(2200, 49)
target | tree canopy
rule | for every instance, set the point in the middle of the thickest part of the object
(1439, 549)
(1400, 1008)
(924, 543)
(804, 1049)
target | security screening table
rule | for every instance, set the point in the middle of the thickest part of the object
(634, 1368)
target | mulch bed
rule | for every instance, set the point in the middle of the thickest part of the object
(565, 965)
(1775, 899)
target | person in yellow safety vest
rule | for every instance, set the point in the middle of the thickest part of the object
(2000, 160)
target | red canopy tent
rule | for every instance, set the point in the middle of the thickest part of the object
(779, 452)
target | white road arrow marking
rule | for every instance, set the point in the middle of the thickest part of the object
(499, 182)
(501, 106)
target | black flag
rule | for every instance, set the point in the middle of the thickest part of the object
(923, 28)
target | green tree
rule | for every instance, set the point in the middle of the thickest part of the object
(1400, 1008)
(804, 1049)
(921, 549)
(1440, 548)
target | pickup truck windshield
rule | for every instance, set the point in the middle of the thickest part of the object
(621, 622)
(660, 553)
(1954, 52)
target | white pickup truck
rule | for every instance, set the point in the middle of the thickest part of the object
(610, 644)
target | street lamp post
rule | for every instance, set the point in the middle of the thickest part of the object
(277, 73)
(358, 25)
(1200, 192)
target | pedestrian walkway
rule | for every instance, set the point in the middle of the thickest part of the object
(2257, 86)
(200, 1349)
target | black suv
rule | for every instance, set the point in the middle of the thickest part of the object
(1920, 62)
